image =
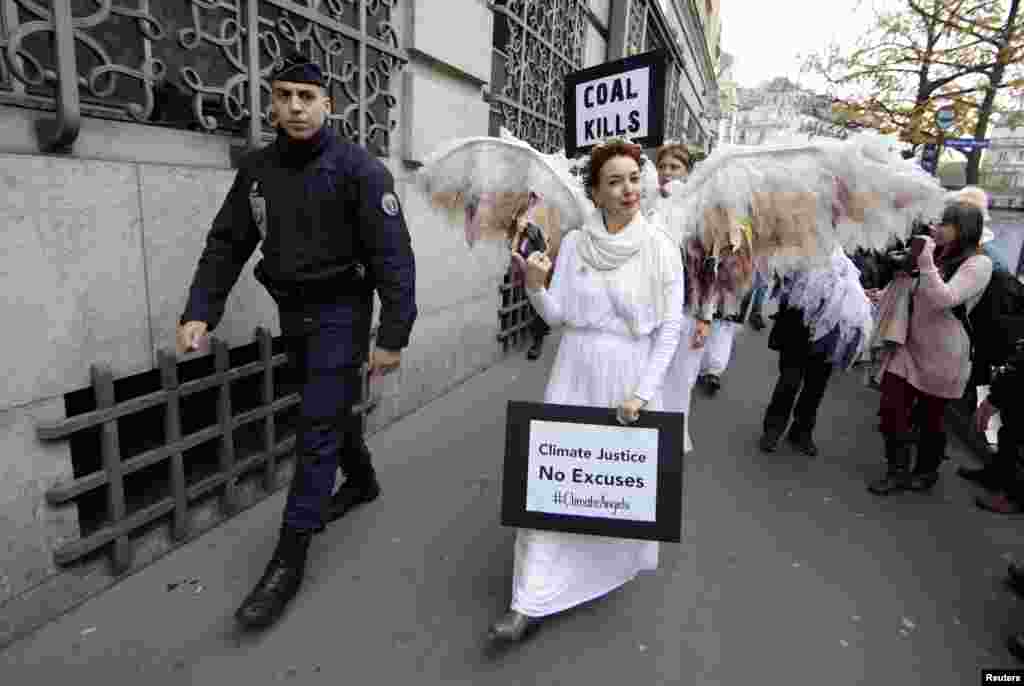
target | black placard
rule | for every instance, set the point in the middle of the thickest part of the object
(668, 507)
(602, 127)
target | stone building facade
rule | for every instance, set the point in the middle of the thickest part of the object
(119, 129)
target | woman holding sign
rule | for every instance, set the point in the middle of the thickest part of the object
(618, 290)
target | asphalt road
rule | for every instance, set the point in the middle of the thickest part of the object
(790, 571)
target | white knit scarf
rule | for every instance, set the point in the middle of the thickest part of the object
(637, 264)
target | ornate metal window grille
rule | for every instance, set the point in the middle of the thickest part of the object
(536, 43)
(635, 32)
(675, 115)
(190, 63)
(136, 488)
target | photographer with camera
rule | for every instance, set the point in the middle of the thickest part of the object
(947, 273)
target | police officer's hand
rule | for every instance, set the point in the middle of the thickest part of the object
(190, 336)
(384, 361)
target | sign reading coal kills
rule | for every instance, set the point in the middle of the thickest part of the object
(624, 99)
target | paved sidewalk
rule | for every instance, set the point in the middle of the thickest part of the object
(789, 573)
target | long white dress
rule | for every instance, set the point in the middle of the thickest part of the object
(686, 362)
(599, 363)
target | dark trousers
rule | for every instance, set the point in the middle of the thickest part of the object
(904, 408)
(803, 376)
(539, 328)
(1006, 461)
(327, 345)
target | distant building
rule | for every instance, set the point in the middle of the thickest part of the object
(781, 108)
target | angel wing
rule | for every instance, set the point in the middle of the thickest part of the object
(485, 175)
(802, 200)
(790, 207)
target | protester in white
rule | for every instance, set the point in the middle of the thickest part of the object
(673, 162)
(618, 291)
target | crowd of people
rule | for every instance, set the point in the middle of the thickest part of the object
(923, 354)
(648, 313)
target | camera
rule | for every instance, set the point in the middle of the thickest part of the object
(905, 258)
(534, 241)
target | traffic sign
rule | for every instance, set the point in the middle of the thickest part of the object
(945, 118)
(968, 143)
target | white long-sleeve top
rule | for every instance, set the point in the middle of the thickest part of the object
(582, 298)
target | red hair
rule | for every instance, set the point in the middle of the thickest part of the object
(600, 156)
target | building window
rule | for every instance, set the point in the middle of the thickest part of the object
(535, 46)
(186, 64)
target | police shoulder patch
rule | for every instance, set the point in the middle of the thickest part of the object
(389, 204)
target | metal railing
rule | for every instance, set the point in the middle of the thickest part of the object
(516, 313)
(196, 64)
(120, 522)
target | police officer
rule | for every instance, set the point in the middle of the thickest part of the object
(331, 232)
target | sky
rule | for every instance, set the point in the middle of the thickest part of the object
(766, 38)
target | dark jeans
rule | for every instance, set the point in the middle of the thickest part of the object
(804, 374)
(328, 345)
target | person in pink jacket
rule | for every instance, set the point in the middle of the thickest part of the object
(934, 364)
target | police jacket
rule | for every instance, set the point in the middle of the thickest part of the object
(314, 208)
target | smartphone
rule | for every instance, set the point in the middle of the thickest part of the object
(533, 241)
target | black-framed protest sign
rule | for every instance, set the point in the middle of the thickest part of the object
(624, 98)
(577, 470)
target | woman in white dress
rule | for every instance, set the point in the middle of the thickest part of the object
(618, 292)
(673, 162)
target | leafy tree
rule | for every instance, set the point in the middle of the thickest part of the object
(922, 55)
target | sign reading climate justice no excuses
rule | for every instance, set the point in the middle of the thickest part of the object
(624, 98)
(577, 470)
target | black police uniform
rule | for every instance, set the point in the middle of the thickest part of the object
(331, 231)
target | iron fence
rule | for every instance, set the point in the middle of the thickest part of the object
(121, 523)
(516, 313)
(195, 64)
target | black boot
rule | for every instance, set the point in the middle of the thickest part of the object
(756, 321)
(352, 493)
(280, 581)
(770, 440)
(513, 627)
(931, 449)
(897, 475)
(802, 441)
(536, 348)
(986, 476)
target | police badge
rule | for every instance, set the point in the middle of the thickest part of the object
(258, 205)
(389, 203)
